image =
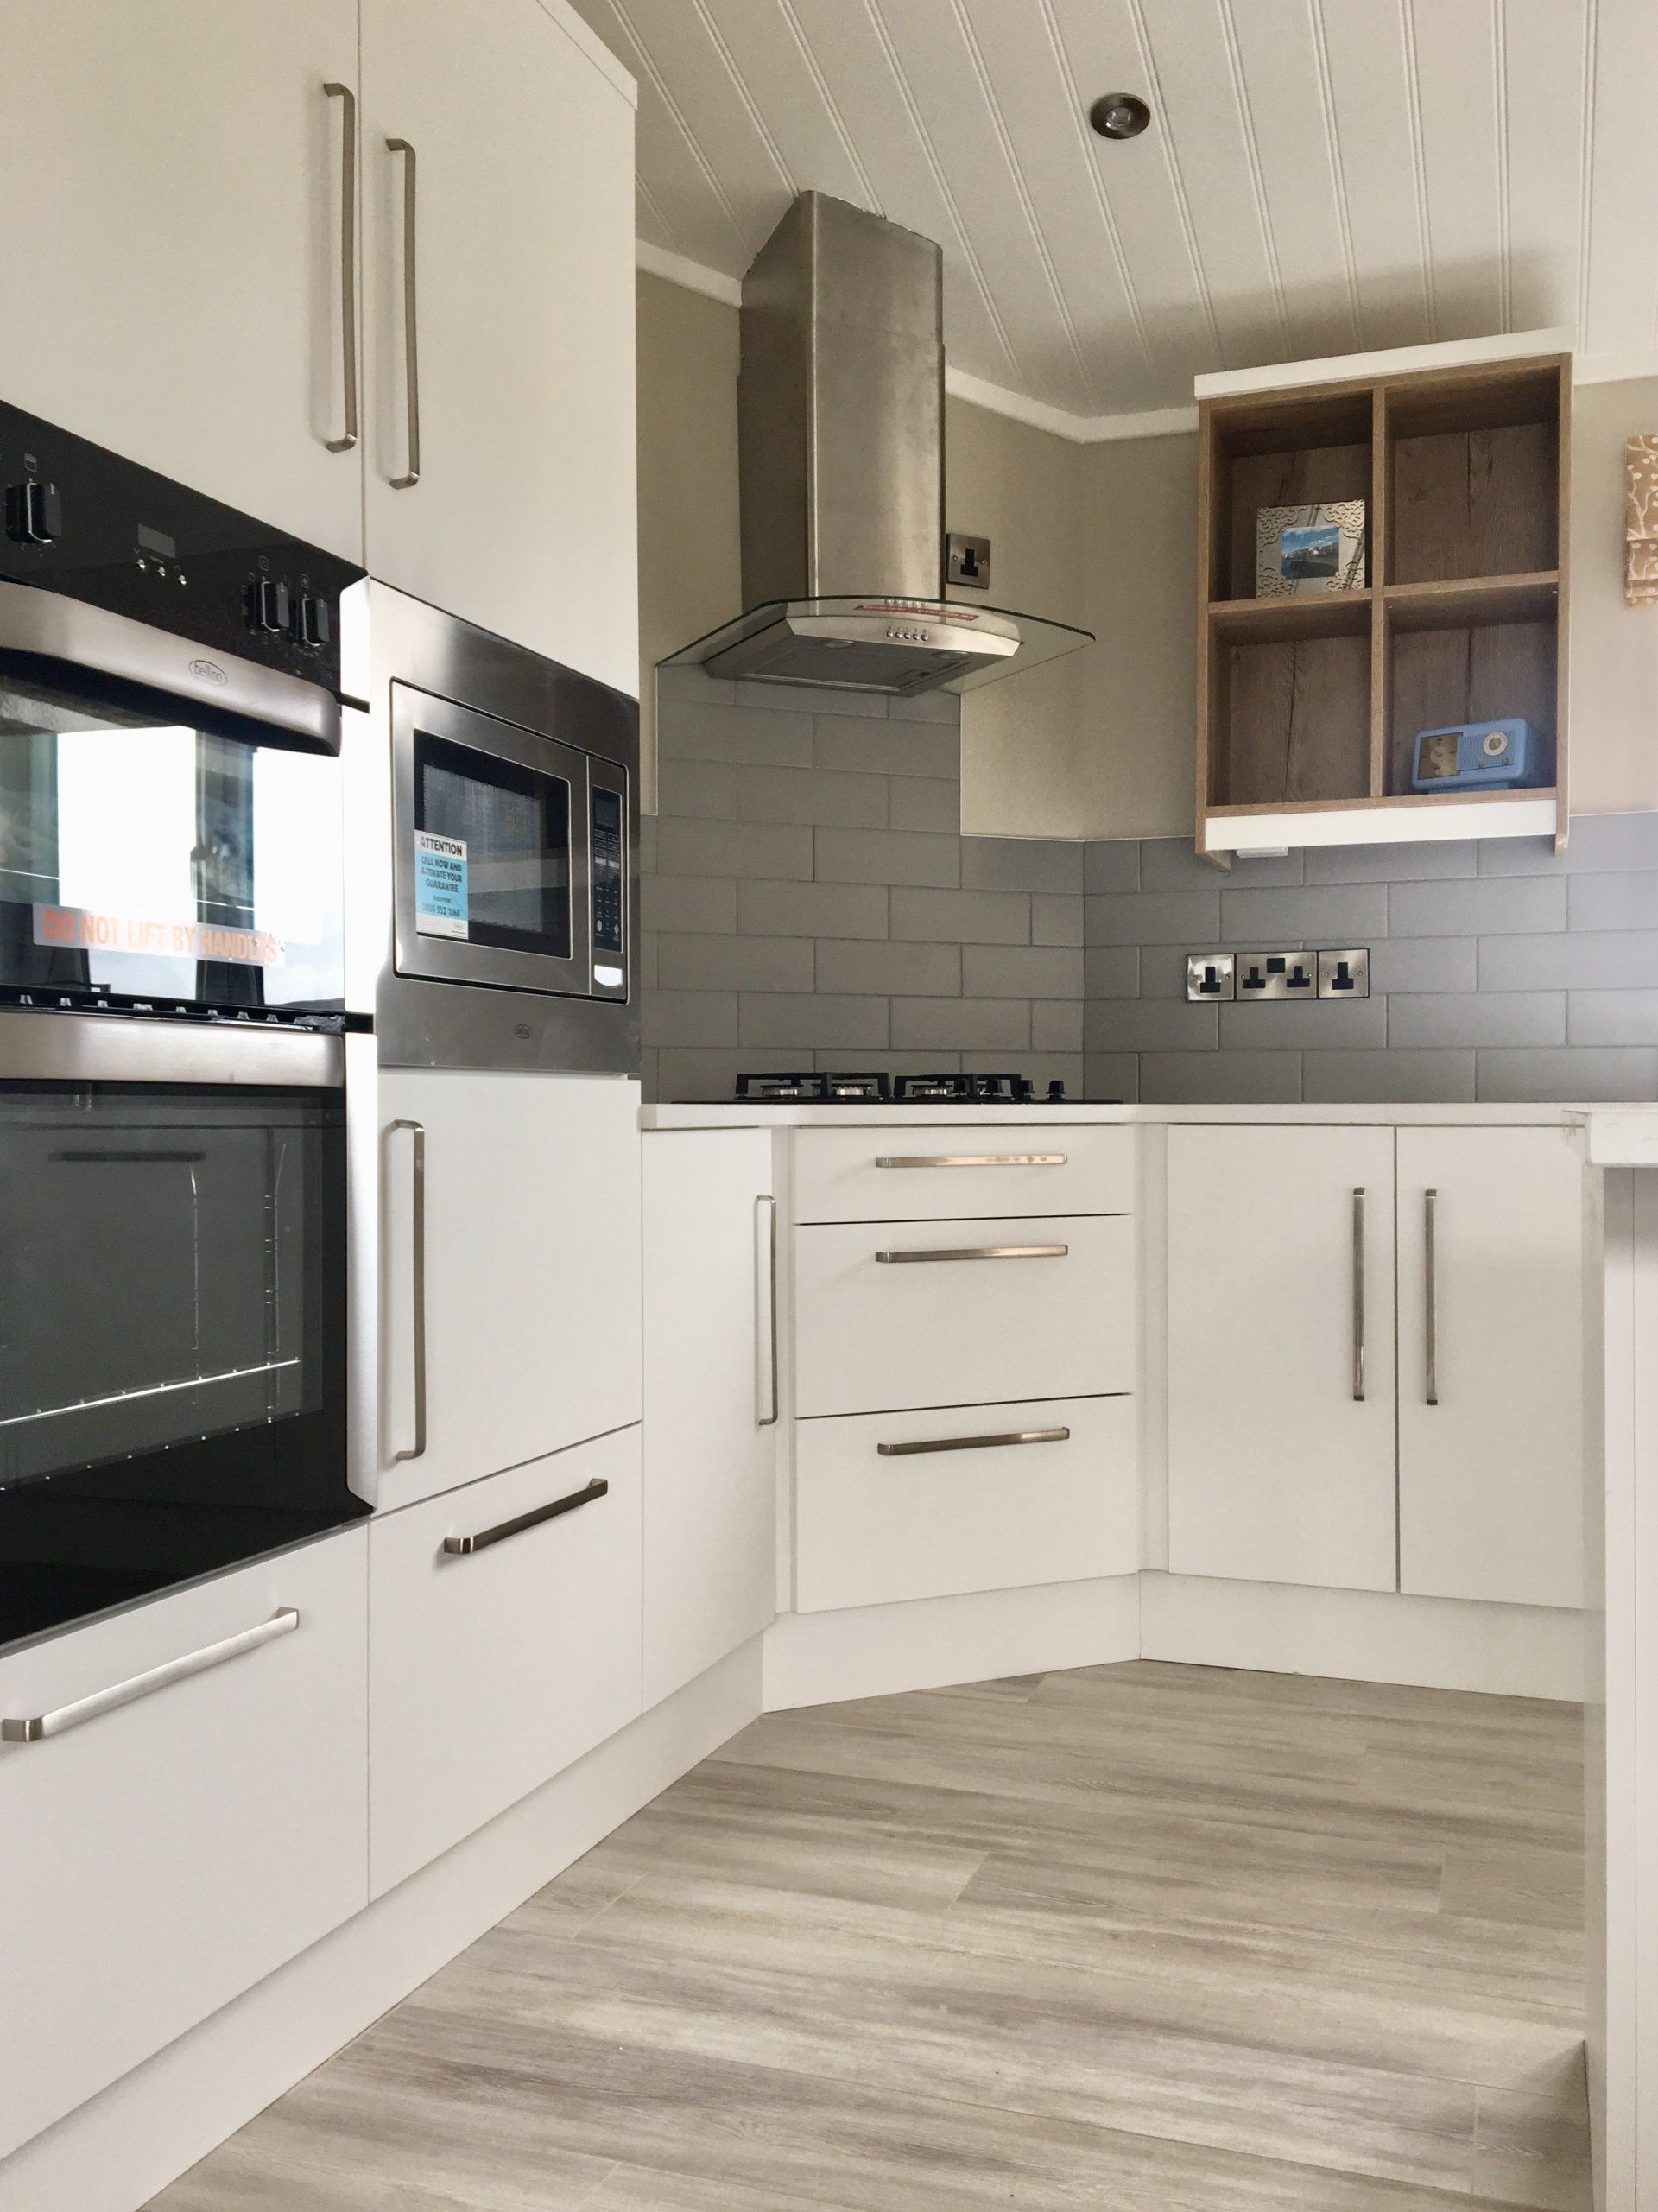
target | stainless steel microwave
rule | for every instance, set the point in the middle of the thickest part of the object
(492, 818)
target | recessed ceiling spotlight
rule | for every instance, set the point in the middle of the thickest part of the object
(1119, 115)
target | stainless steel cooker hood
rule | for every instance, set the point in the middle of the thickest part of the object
(840, 417)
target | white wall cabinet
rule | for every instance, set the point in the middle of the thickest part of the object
(1490, 1365)
(709, 1402)
(1280, 1452)
(163, 1856)
(173, 255)
(530, 1276)
(492, 1669)
(524, 516)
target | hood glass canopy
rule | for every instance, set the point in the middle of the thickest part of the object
(872, 644)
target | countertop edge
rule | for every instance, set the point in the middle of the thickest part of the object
(742, 1114)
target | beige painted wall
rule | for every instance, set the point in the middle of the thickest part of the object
(1614, 677)
(1100, 744)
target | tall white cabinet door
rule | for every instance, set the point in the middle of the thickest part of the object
(1281, 1361)
(530, 1273)
(520, 146)
(711, 1575)
(171, 238)
(1490, 1365)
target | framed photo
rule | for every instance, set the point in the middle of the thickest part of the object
(1300, 549)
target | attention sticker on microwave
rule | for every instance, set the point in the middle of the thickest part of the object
(439, 884)
(79, 927)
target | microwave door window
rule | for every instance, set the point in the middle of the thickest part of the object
(493, 861)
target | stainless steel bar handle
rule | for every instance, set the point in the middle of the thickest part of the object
(417, 1240)
(347, 264)
(38, 1726)
(768, 1396)
(463, 1547)
(973, 1160)
(411, 327)
(973, 1443)
(1431, 1295)
(975, 1252)
(1358, 1294)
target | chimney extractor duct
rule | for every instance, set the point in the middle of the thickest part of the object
(840, 421)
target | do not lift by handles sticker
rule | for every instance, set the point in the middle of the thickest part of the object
(440, 885)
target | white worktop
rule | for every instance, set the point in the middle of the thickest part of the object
(1617, 1136)
(757, 1114)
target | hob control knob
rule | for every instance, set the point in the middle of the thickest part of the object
(272, 605)
(315, 622)
(34, 512)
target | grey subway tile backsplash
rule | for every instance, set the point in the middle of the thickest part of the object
(808, 900)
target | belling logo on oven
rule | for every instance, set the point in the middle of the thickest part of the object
(210, 671)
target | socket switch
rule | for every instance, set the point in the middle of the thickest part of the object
(1209, 975)
(1277, 975)
(1344, 974)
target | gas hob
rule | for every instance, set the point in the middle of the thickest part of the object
(879, 1089)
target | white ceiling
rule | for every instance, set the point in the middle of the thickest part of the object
(1321, 176)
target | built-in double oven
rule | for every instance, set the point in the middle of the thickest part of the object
(173, 1032)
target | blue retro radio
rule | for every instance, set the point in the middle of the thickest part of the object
(1474, 756)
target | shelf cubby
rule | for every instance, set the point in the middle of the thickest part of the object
(1309, 705)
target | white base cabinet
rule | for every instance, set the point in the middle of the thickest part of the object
(165, 1855)
(710, 1399)
(1490, 1365)
(897, 1505)
(1280, 1415)
(493, 1669)
(531, 1271)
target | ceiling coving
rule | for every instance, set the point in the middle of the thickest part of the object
(1321, 176)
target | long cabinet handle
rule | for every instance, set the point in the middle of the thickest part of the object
(973, 1443)
(974, 1252)
(347, 263)
(417, 1256)
(766, 1383)
(1358, 1294)
(36, 1728)
(1431, 1297)
(463, 1547)
(973, 1160)
(411, 324)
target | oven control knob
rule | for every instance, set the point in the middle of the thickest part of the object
(272, 607)
(314, 625)
(34, 512)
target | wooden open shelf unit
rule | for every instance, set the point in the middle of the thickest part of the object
(1308, 707)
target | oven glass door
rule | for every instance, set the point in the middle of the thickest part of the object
(172, 1336)
(492, 834)
(154, 867)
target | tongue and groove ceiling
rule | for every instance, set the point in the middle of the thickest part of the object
(1321, 176)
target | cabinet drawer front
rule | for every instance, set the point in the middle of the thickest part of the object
(962, 1313)
(971, 1509)
(939, 1171)
(503, 1644)
(165, 1853)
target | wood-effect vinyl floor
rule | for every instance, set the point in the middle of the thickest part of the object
(1160, 1938)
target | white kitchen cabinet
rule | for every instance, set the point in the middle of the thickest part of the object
(1281, 1355)
(172, 243)
(531, 1271)
(519, 146)
(709, 1399)
(164, 1856)
(493, 1668)
(1490, 1365)
(910, 1172)
(962, 1312)
(890, 1506)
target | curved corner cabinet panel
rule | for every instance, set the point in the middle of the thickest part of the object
(530, 1320)
(1281, 1415)
(503, 1643)
(165, 1853)
(711, 1341)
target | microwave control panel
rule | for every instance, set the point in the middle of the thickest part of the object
(80, 520)
(609, 815)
